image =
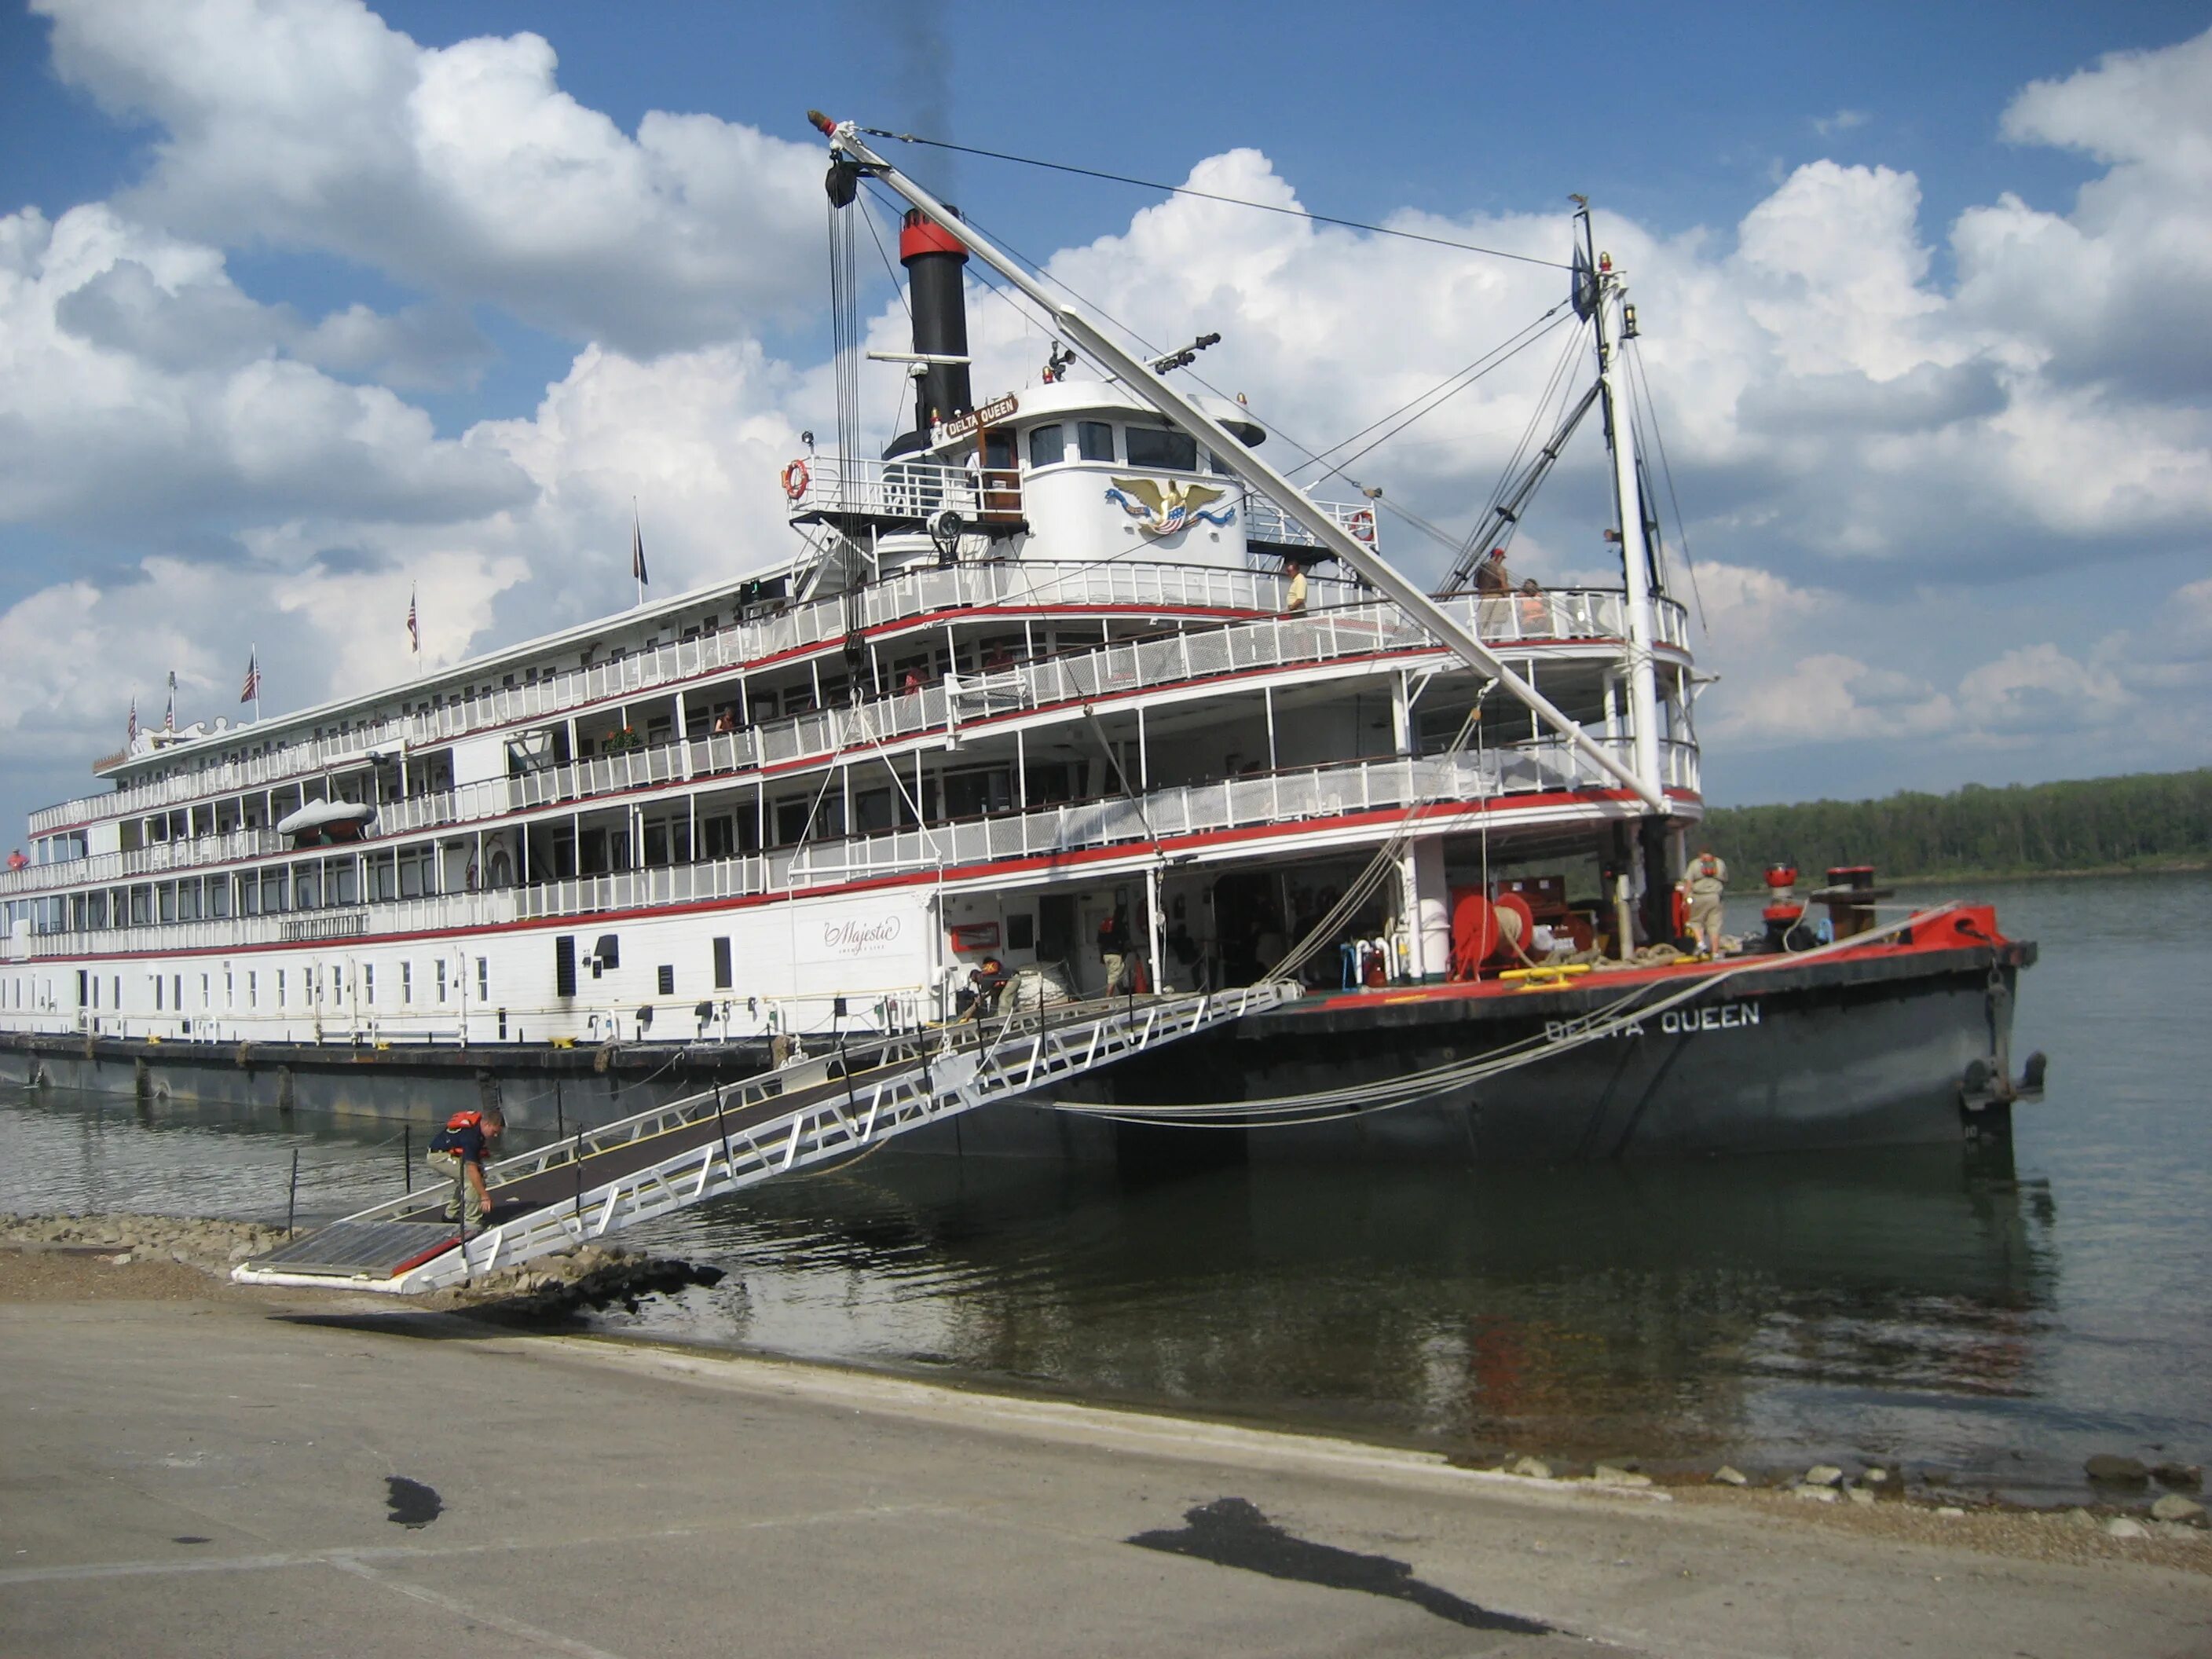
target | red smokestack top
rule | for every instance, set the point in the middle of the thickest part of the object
(920, 234)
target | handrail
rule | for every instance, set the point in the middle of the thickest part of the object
(903, 596)
(1563, 615)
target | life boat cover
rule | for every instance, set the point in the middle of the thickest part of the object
(319, 814)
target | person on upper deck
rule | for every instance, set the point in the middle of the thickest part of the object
(1492, 576)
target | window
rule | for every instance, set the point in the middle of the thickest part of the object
(253, 988)
(406, 984)
(1048, 445)
(1094, 441)
(369, 983)
(484, 980)
(1158, 447)
(441, 980)
(207, 992)
(564, 966)
(665, 979)
(177, 993)
(280, 987)
(722, 975)
(337, 982)
(229, 990)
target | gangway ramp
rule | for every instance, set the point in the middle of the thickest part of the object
(723, 1140)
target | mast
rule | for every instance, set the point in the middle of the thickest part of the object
(1635, 550)
(1138, 376)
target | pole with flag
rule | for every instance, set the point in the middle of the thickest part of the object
(637, 551)
(251, 691)
(130, 726)
(169, 719)
(414, 625)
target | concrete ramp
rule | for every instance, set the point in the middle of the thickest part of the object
(816, 1111)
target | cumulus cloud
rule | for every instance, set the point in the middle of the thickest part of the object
(464, 172)
(1879, 464)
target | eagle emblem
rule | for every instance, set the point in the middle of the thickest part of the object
(1166, 508)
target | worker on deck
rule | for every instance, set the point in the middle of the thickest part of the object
(1708, 878)
(457, 1154)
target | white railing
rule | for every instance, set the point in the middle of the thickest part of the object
(1236, 802)
(282, 927)
(1265, 520)
(1313, 637)
(1548, 766)
(901, 489)
(901, 598)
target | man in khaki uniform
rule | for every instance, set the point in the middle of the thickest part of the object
(1708, 878)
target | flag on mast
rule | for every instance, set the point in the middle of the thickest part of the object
(169, 719)
(637, 552)
(251, 691)
(131, 727)
(414, 628)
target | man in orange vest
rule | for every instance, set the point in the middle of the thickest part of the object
(457, 1154)
(1708, 878)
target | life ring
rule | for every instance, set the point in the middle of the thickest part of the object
(1361, 525)
(795, 479)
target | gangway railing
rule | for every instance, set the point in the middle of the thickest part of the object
(724, 1139)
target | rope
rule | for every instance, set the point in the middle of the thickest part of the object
(1284, 1111)
(1209, 196)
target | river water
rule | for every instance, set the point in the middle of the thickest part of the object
(1995, 1317)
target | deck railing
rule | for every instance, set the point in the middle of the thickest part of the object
(903, 596)
(1314, 637)
(1281, 798)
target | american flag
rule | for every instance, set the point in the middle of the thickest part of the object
(414, 628)
(131, 729)
(637, 552)
(252, 690)
(169, 719)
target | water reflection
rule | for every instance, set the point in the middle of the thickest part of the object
(1590, 1310)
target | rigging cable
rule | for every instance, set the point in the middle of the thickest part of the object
(1211, 195)
(1682, 525)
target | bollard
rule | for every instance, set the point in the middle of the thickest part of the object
(292, 1198)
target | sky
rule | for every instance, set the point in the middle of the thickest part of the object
(307, 306)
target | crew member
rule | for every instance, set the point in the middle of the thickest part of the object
(1492, 576)
(457, 1154)
(1114, 952)
(1708, 881)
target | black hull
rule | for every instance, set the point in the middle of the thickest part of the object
(1847, 1052)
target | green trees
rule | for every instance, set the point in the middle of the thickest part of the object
(2091, 823)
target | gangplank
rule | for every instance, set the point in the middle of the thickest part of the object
(814, 1111)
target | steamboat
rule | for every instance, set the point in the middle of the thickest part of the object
(1066, 695)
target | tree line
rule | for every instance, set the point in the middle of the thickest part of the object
(2148, 818)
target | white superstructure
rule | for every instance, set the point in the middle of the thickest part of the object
(1058, 664)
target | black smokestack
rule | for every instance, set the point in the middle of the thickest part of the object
(934, 256)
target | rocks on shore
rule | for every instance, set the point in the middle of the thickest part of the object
(2174, 1507)
(123, 1238)
(1728, 1475)
(596, 1276)
(2110, 1469)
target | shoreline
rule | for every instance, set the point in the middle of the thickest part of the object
(117, 1257)
(2181, 868)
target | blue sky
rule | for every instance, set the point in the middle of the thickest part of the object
(310, 303)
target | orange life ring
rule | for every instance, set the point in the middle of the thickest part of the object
(795, 479)
(1361, 525)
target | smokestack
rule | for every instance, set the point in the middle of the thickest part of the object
(932, 256)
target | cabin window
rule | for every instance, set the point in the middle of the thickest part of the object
(442, 981)
(1048, 445)
(722, 975)
(483, 979)
(406, 984)
(369, 983)
(1094, 441)
(1158, 447)
(664, 980)
(998, 449)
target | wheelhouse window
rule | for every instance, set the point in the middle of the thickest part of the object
(1048, 445)
(1094, 441)
(1168, 451)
